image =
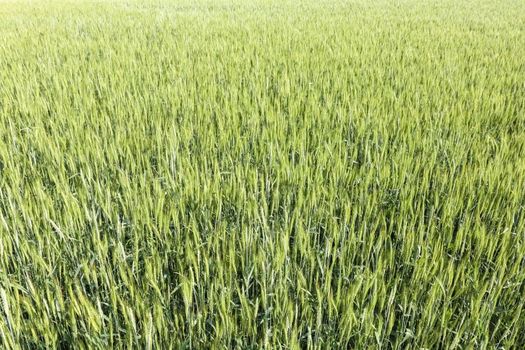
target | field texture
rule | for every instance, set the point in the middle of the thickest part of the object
(259, 174)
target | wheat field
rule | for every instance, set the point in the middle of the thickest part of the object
(262, 174)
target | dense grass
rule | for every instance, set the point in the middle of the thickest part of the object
(262, 174)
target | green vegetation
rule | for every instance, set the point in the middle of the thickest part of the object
(262, 174)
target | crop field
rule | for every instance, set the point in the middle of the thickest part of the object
(262, 174)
